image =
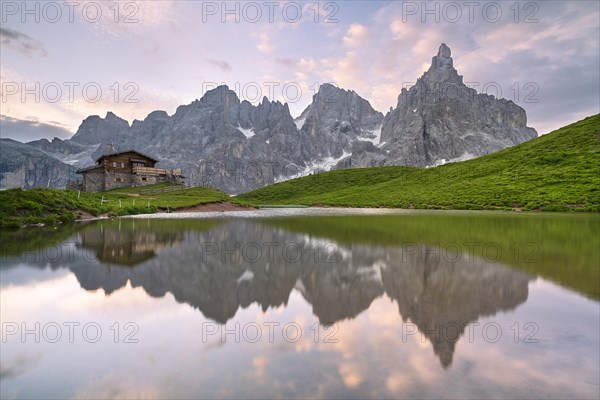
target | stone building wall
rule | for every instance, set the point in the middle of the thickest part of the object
(93, 181)
(101, 181)
(115, 180)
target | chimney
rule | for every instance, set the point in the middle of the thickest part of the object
(109, 149)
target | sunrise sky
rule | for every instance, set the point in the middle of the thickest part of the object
(543, 55)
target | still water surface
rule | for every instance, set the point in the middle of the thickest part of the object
(399, 305)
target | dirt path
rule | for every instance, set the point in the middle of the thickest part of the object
(212, 207)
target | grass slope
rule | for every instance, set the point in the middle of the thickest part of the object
(559, 171)
(21, 207)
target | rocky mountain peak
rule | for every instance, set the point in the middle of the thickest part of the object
(159, 114)
(111, 115)
(442, 68)
(328, 86)
(440, 119)
(444, 52)
(219, 95)
(94, 129)
(335, 119)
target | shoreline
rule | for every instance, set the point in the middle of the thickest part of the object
(224, 206)
(307, 211)
(227, 209)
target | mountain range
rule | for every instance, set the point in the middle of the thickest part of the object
(236, 146)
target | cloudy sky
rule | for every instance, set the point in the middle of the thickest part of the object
(62, 62)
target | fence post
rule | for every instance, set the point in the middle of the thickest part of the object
(120, 206)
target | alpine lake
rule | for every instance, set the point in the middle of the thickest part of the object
(304, 303)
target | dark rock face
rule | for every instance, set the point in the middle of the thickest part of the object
(440, 119)
(24, 166)
(58, 146)
(235, 146)
(95, 130)
(69, 152)
(335, 119)
(364, 155)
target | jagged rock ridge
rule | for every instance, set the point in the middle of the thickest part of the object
(236, 146)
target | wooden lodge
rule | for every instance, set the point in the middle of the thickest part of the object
(128, 168)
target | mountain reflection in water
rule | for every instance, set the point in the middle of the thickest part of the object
(219, 266)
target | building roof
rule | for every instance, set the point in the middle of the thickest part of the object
(137, 160)
(88, 169)
(126, 151)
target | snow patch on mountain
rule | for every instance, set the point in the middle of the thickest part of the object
(78, 160)
(316, 166)
(375, 136)
(373, 272)
(246, 132)
(246, 276)
(466, 156)
(300, 122)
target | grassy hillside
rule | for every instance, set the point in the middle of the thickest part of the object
(559, 171)
(19, 207)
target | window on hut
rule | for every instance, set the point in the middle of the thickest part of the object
(138, 163)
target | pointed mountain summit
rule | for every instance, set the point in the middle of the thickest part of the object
(440, 120)
(442, 67)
